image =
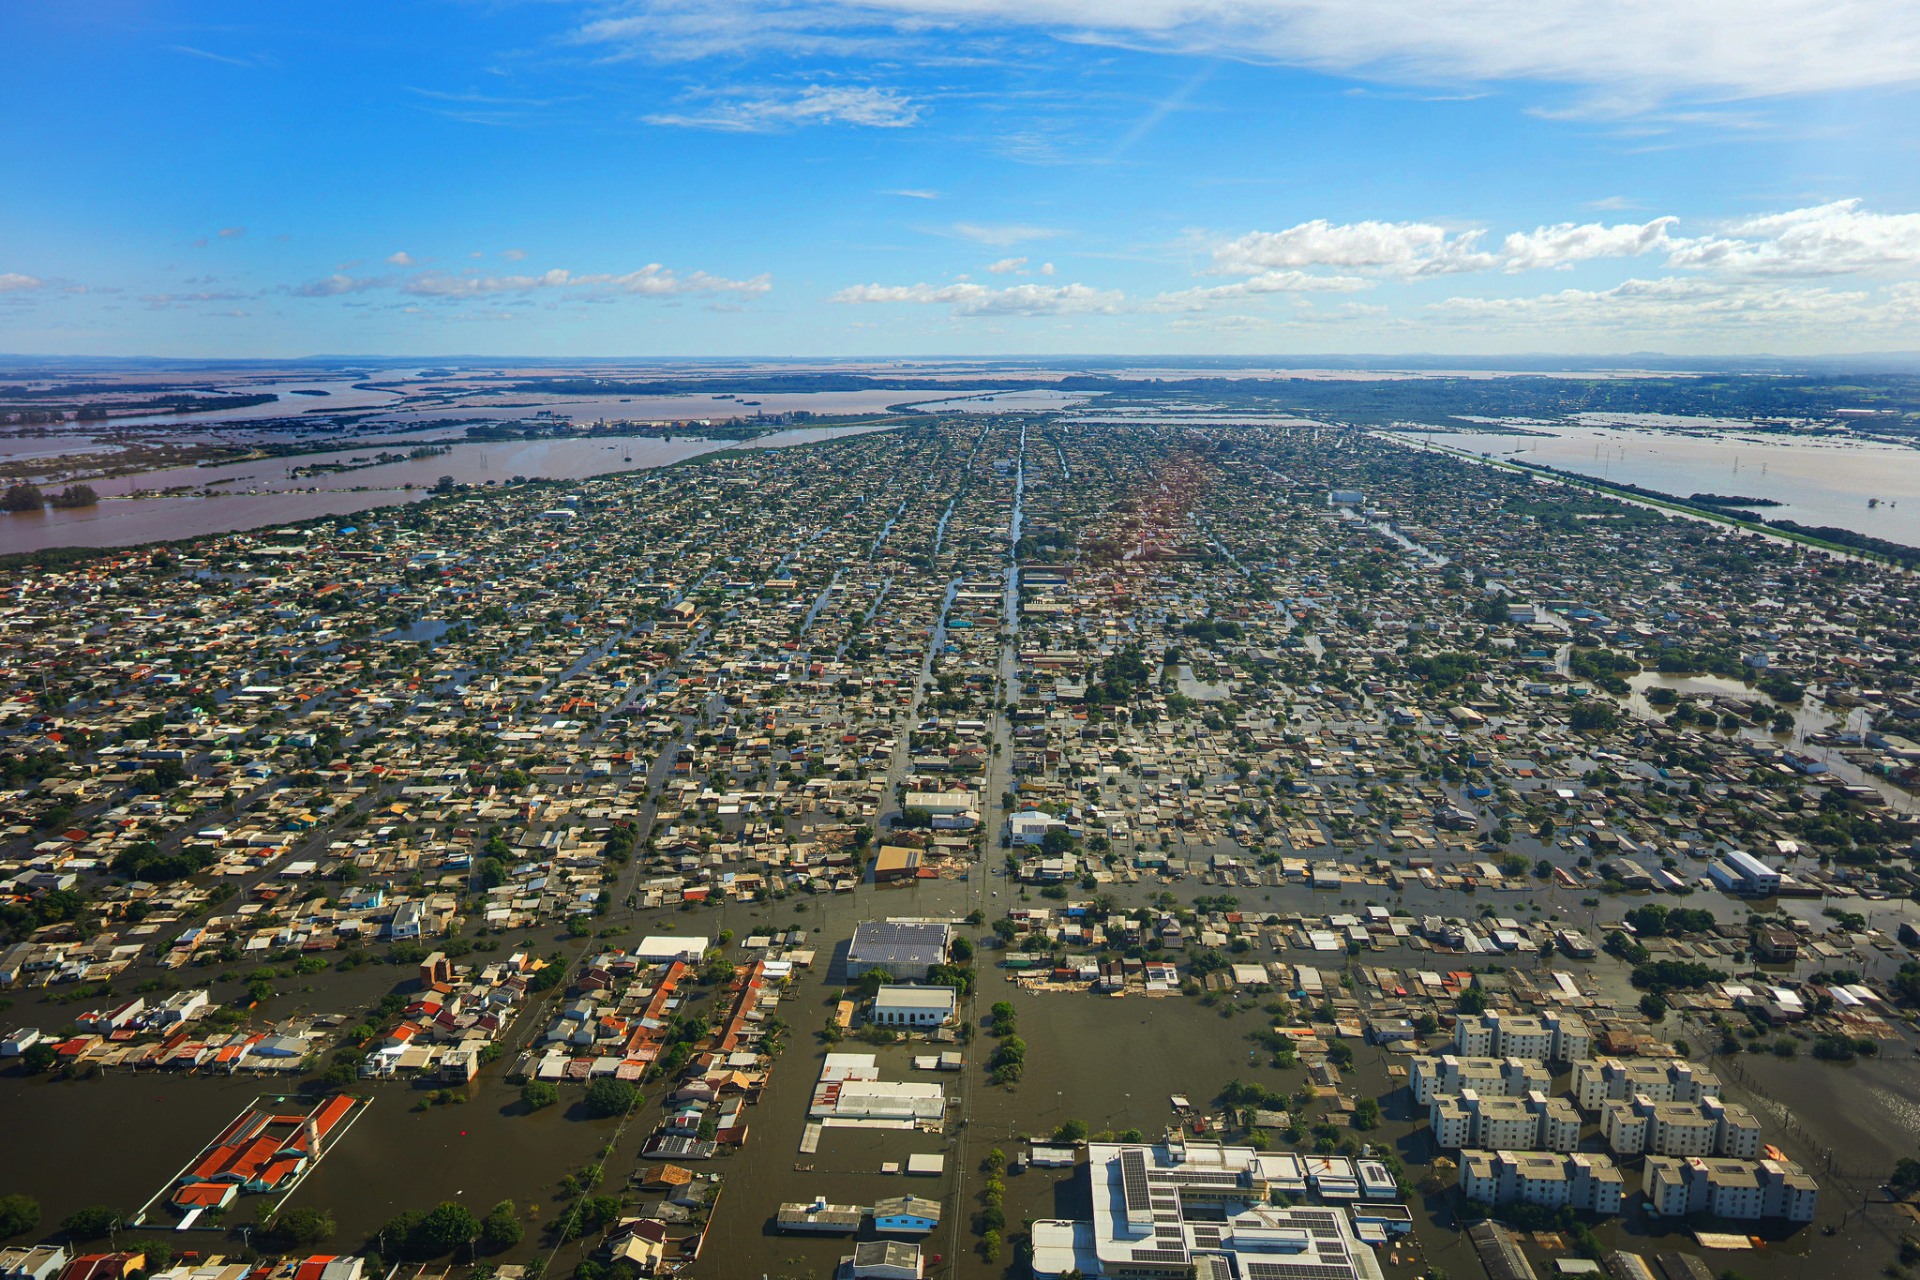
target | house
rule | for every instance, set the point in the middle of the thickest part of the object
(819, 1217)
(328, 1267)
(906, 1215)
(104, 1266)
(19, 1041)
(912, 1008)
(882, 1260)
(37, 1262)
(896, 862)
(640, 1241)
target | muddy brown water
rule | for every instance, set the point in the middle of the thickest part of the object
(1112, 1063)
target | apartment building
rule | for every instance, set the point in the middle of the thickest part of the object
(1531, 1123)
(1585, 1181)
(1617, 1079)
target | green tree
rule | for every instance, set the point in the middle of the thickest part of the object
(90, 1223)
(610, 1097)
(501, 1228)
(446, 1227)
(539, 1093)
(39, 1058)
(1071, 1131)
(19, 1214)
(303, 1226)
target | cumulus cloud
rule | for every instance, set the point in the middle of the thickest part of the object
(232, 233)
(1624, 52)
(400, 259)
(513, 255)
(14, 282)
(968, 299)
(1006, 266)
(1394, 248)
(1566, 243)
(1829, 239)
(1199, 299)
(870, 107)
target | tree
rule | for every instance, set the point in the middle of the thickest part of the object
(1906, 1175)
(1366, 1114)
(90, 1223)
(1472, 1001)
(500, 1229)
(446, 1227)
(1654, 1006)
(610, 1097)
(539, 1093)
(962, 950)
(1071, 1131)
(22, 497)
(303, 1226)
(20, 1214)
(38, 1058)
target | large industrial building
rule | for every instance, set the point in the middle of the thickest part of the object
(1183, 1209)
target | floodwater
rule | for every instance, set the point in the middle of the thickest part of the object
(341, 396)
(1818, 481)
(255, 494)
(1002, 402)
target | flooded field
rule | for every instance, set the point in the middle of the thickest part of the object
(1822, 481)
(250, 495)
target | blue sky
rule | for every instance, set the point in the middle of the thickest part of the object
(910, 177)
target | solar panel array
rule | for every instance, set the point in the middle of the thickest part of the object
(1296, 1271)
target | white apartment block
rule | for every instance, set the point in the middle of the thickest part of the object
(1431, 1076)
(1587, 1182)
(1532, 1123)
(1745, 1190)
(1550, 1037)
(1616, 1080)
(1710, 1127)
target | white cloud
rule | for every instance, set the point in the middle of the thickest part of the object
(14, 282)
(816, 104)
(513, 255)
(232, 233)
(1006, 266)
(1392, 248)
(914, 193)
(652, 280)
(1267, 282)
(1566, 243)
(1686, 309)
(1002, 235)
(335, 285)
(400, 259)
(1829, 239)
(969, 299)
(1046, 268)
(1627, 51)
